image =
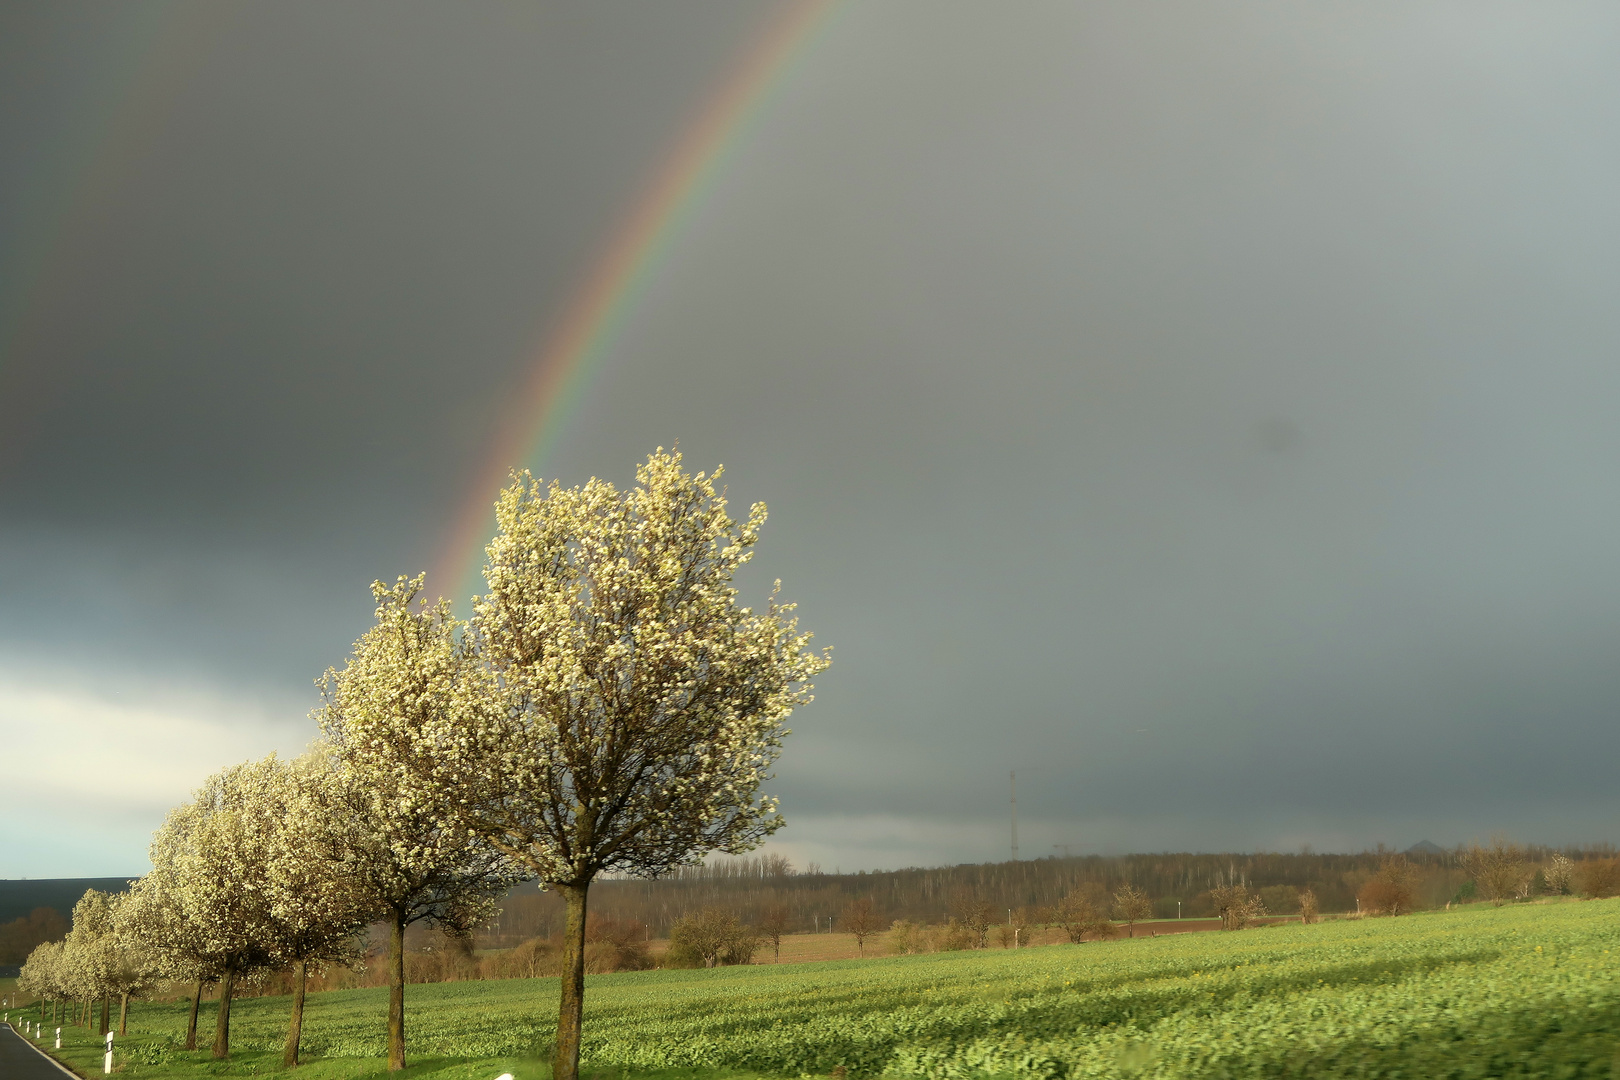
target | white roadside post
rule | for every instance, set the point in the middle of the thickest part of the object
(106, 1065)
(59, 1038)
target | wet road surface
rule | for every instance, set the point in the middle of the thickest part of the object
(20, 1061)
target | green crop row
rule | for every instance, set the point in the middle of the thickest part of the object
(1530, 991)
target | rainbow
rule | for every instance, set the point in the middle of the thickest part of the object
(600, 309)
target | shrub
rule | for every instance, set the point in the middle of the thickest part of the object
(906, 937)
(534, 959)
(1236, 906)
(708, 938)
(616, 945)
(1390, 891)
(1599, 878)
(976, 914)
(1280, 899)
(1499, 871)
(1560, 874)
(954, 936)
(1080, 912)
(443, 958)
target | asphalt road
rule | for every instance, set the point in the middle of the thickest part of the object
(20, 1061)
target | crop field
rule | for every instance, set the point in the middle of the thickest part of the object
(1520, 991)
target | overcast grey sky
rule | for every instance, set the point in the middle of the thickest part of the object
(1206, 409)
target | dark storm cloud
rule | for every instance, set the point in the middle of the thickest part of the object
(277, 351)
(1207, 411)
(1210, 409)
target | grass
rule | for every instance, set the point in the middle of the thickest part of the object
(145, 1054)
(1524, 991)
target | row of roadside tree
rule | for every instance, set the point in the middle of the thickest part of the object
(608, 709)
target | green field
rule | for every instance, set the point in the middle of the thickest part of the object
(1530, 990)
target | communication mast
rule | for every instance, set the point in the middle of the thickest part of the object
(1013, 777)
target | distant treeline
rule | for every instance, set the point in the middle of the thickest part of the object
(20, 896)
(750, 886)
(32, 911)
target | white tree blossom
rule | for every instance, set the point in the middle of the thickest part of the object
(209, 861)
(628, 709)
(90, 958)
(44, 973)
(155, 915)
(399, 839)
(133, 966)
(318, 909)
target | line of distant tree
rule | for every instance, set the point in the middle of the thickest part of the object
(19, 936)
(1174, 883)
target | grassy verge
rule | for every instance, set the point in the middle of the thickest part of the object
(1528, 991)
(157, 1057)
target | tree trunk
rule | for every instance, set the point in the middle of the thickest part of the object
(191, 1024)
(571, 1007)
(289, 1056)
(222, 1020)
(106, 1007)
(396, 994)
(89, 1012)
(123, 1015)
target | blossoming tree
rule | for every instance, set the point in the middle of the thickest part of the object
(154, 914)
(396, 832)
(209, 860)
(318, 910)
(629, 709)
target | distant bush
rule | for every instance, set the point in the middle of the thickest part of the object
(1082, 913)
(1559, 875)
(709, 938)
(1500, 871)
(954, 937)
(1599, 878)
(19, 937)
(907, 937)
(1280, 899)
(1236, 905)
(533, 959)
(1390, 891)
(616, 945)
(442, 959)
